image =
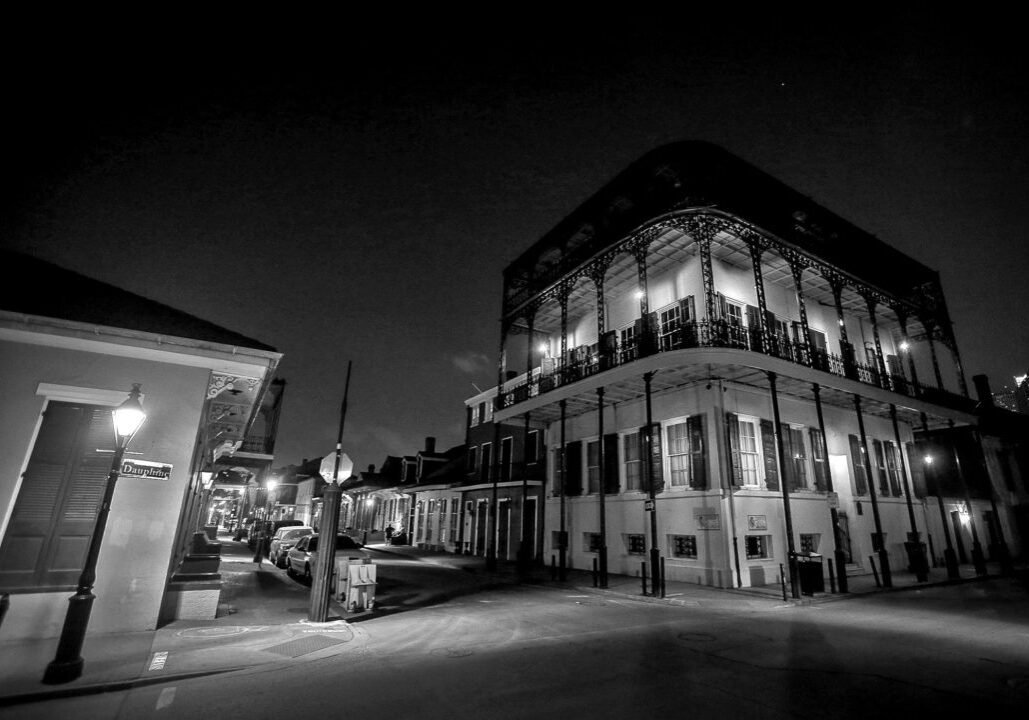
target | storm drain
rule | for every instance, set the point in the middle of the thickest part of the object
(304, 645)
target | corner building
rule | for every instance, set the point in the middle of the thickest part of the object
(729, 374)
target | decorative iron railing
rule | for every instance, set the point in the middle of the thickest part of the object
(719, 333)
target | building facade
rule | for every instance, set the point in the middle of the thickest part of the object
(728, 378)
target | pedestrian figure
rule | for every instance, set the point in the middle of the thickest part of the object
(389, 533)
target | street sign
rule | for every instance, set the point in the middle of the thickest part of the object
(328, 466)
(145, 469)
(834, 499)
(648, 505)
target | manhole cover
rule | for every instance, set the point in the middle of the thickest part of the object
(451, 652)
(304, 645)
(212, 631)
(696, 637)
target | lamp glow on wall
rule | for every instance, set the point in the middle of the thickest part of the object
(67, 663)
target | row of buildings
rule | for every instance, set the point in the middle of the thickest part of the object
(703, 368)
(698, 368)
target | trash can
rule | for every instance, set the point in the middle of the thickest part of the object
(809, 570)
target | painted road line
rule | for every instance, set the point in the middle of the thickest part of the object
(166, 698)
(158, 661)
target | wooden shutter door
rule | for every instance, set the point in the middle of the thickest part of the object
(698, 452)
(611, 464)
(573, 468)
(732, 431)
(769, 452)
(55, 513)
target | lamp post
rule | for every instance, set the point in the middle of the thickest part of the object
(67, 663)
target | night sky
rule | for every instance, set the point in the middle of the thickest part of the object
(351, 190)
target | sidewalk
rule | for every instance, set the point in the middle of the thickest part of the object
(262, 618)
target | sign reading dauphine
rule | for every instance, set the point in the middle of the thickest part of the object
(146, 469)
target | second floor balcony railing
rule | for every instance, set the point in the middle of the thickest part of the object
(583, 362)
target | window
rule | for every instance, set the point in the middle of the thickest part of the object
(487, 462)
(892, 467)
(796, 457)
(678, 454)
(558, 470)
(591, 541)
(473, 416)
(668, 320)
(636, 544)
(750, 459)
(758, 546)
(684, 546)
(809, 542)
(627, 337)
(48, 535)
(473, 458)
(733, 313)
(857, 456)
(506, 458)
(532, 447)
(455, 504)
(879, 450)
(593, 466)
(632, 461)
(819, 460)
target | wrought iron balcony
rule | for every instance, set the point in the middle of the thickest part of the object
(261, 444)
(585, 361)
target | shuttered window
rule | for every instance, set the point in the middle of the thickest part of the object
(55, 512)
(857, 456)
(631, 459)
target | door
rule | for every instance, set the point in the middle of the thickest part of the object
(503, 529)
(844, 525)
(481, 518)
(530, 527)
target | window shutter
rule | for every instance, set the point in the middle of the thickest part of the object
(573, 468)
(720, 312)
(820, 461)
(798, 459)
(732, 431)
(857, 458)
(769, 451)
(611, 464)
(753, 317)
(891, 468)
(55, 513)
(657, 472)
(698, 452)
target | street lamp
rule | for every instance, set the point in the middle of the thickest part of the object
(67, 663)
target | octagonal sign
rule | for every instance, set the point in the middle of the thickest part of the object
(346, 467)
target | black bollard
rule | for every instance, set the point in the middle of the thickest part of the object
(595, 573)
(871, 559)
(553, 568)
(782, 581)
(643, 576)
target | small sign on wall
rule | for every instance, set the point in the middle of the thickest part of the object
(757, 522)
(709, 522)
(145, 469)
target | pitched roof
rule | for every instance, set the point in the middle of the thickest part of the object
(56, 292)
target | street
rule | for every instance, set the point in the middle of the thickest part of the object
(536, 651)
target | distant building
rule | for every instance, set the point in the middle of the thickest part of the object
(70, 350)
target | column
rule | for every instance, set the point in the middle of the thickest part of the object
(834, 515)
(756, 249)
(562, 547)
(785, 485)
(603, 478)
(871, 303)
(797, 271)
(914, 547)
(648, 474)
(884, 556)
(644, 343)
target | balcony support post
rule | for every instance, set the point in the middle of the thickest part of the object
(930, 328)
(648, 474)
(523, 547)
(645, 342)
(978, 558)
(563, 300)
(797, 270)
(881, 364)
(884, 556)
(562, 541)
(756, 249)
(602, 551)
(916, 552)
(834, 515)
(707, 273)
(791, 549)
(902, 318)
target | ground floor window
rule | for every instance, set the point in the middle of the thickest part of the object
(684, 546)
(809, 542)
(758, 546)
(636, 544)
(632, 460)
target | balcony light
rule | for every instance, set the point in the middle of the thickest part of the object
(928, 459)
(640, 294)
(840, 321)
(904, 346)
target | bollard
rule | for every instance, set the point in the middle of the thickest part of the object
(553, 568)
(662, 577)
(832, 576)
(782, 581)
(871, 559)
(643, 576)
(595, 577)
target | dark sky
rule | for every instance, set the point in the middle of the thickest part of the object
(351, 191)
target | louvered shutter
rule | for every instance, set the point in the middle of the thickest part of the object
(891, 468)
(732, 431)
(573, 468)
(698, 452)
(657, 472)
(610, 469)
(858, 459)
(57, 505)
(880, 468)
(768, 450)
(798, 459)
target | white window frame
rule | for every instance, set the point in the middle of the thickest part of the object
(624, 461)
(669, 455)
(757, 472)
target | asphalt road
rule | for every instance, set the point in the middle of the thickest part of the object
(540, 652)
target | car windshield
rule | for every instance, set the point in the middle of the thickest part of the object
(293, 534)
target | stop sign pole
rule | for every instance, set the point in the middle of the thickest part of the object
(321, 583)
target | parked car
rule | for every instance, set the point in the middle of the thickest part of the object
(301, 557)
(266, 529)
(283, 540)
